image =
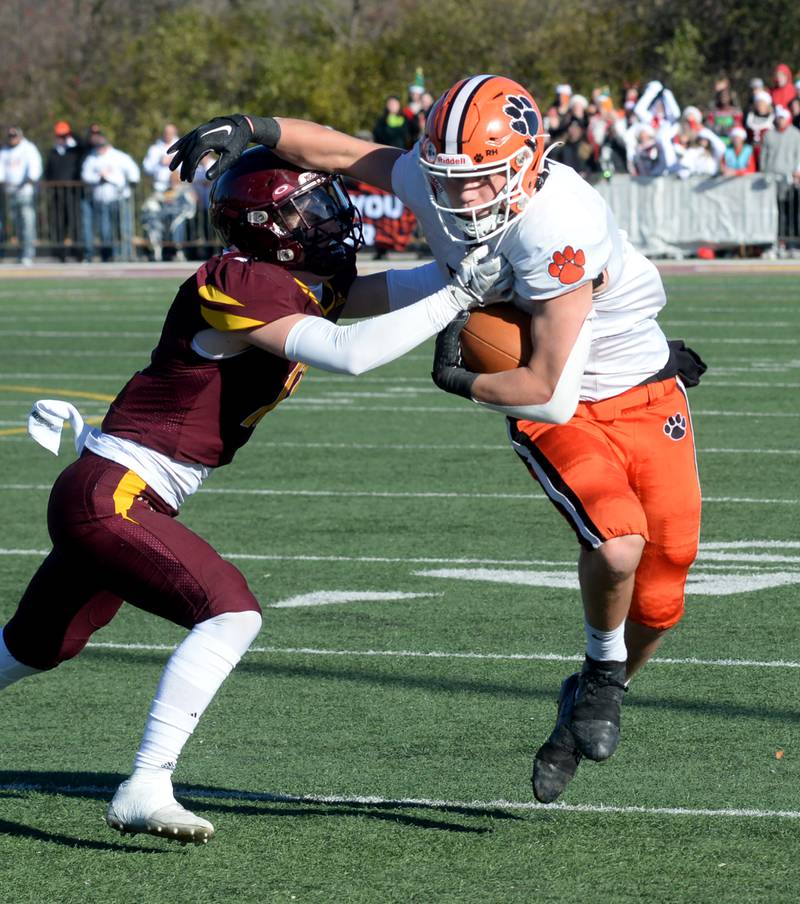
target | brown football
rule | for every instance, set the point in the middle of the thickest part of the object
(496, 338)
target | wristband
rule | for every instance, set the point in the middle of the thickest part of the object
(266, 130)
(456, 380)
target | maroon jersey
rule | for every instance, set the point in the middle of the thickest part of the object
(199, 410)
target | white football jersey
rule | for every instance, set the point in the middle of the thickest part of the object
(567, 236)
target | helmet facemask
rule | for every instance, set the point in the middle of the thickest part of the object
(317, 225)
(479, 222)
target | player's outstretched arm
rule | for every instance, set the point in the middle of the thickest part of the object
(316, 147)
(359, 347)
(306, 144)
(391, 290)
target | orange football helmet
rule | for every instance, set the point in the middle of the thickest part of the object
(483, 125)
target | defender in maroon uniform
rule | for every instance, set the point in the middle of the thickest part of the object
(235, 343)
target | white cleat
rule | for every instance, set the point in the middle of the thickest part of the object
(144, 807)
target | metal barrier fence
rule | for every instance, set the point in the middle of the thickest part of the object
(676, 217)
(69, 225)
(147, 225)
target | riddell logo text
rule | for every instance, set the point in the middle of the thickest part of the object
(453, 160)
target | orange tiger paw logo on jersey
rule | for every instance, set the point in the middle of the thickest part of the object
(567, 265)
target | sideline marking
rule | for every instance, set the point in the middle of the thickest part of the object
(473, 447)
(763, 324)
(387, 494)
(35, 390)
(305, 403)
(340, 393)
(113, 334)
(442, 654)
(708, 553)
(697, 584)
(131, 334)
(419, 802)
(326, 597)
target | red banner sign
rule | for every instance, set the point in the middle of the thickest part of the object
(388, 224)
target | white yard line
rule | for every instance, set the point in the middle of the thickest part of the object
(715, 340)
(100, 334)
(77, 353)
(49, 375)
(749, 451)
(751, 544)
(505, 448)
(129, 334)
(330, 597)
(387, 494)
(477, 447)
(341, 403)
(726, 551)
(759, 324)
(478, 806)
(317, 378)
(401, 560)
(747, 384)
(442, 654)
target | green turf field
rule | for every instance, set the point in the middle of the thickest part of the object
(378, 748)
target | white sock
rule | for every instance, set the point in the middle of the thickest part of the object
(191, 678)
(11, 669)
(605, 645)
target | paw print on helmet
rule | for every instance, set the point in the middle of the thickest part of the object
(524, 118)
(675, 426)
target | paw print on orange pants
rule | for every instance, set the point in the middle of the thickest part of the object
(567, 265)
(675, 426)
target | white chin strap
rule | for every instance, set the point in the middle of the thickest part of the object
(476, 229)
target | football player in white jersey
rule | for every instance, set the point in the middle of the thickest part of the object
(598, 414)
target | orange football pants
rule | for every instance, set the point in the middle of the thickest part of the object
(626, 465)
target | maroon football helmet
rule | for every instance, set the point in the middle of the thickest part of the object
(274, 211)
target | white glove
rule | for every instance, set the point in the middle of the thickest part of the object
(481, 280)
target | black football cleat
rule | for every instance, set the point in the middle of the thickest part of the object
(556, 761)
(599, 692)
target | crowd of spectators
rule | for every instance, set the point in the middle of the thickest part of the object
(651, 135)
(643, 132)
(89, 203)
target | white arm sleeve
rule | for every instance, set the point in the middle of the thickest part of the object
(642, 108)
(362, 346)
(562, 404)
(671, 108)
(407, 286)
